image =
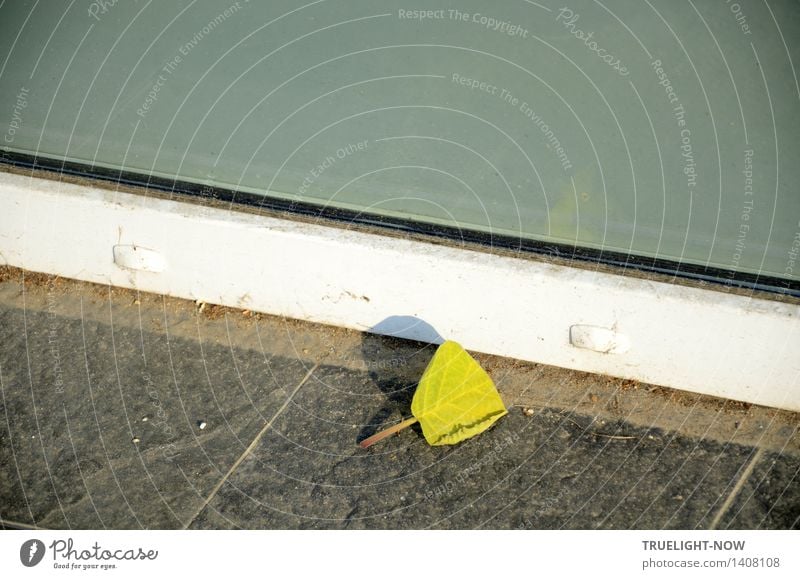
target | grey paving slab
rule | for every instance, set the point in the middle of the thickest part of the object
(87, 369)
(101, 428)
(542, 471)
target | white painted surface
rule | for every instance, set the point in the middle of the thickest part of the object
(691, 339)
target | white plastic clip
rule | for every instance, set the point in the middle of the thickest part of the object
(598, 339)
(139, 258)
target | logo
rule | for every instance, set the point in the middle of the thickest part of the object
(31, 552)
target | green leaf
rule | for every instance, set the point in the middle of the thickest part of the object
(456, 399)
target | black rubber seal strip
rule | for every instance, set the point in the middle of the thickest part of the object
(720, 278)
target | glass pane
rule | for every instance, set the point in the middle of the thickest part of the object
(662, 129)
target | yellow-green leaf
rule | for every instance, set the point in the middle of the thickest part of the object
(456, 399)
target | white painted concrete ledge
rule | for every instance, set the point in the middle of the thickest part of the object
(691, 339)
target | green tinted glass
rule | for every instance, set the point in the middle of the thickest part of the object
(657, 129)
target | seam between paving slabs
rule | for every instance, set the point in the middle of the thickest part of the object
(250, 448)
(7, 524)
(746, 474)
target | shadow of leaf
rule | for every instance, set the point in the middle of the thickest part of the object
(396, 353)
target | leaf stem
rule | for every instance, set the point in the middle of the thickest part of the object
(367, 442)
